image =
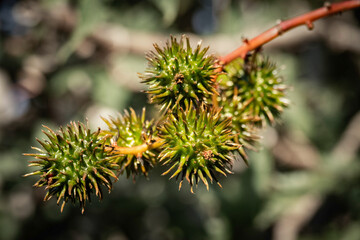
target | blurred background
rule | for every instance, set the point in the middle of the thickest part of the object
(63, 60)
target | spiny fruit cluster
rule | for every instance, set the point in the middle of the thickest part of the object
(129, 130)
(73, 164)
(255, 89)
(197, 144)
(177, 72)
(252, 94)
(208, 117)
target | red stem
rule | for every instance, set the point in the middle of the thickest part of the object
(305, 19)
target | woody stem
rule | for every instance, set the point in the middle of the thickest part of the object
(305, 19)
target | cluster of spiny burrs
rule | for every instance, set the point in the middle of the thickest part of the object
(72, 164)
(244, 125)
(256, 85)
(252, 94)
(197, 144)
(177, 73)
(130, 130)
(200, 133)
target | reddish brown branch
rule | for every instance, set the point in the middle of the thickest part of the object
(305, 19)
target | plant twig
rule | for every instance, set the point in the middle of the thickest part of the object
(136, 150)
(305, 19)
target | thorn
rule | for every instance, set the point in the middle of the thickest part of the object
(62, 206)
(187, 176)
(180, 184)
(310, 25)
(245, 40)
(279, 29)
(327, 5)
(47, 196)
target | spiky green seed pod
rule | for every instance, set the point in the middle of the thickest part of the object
(72, 164)
(244, 126)
(130, 130)
(177, 73)
(259, 90)
(197, 144)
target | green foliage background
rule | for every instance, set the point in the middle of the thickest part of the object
(71, 60)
